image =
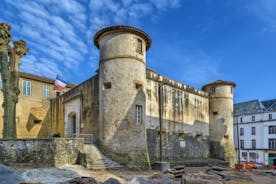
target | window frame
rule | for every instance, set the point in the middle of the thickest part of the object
(139, 46)
(271, 129)
(26, 87)
(269, 116)
(46, 91)
(272, 143)
(252, 118)
(138, 114)
(253, 130)
(253, 143)
(241, 131)
(242, 144)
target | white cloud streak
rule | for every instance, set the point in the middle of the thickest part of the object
(59, 33)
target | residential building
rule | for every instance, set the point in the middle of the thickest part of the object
(255, 129)
(32, 111)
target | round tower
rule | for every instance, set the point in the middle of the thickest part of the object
(122, 85)
(221, 120)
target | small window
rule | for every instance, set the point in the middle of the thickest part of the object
(46, 91)
(37, 121)
(270, 116)
(253, 143)
(27, 88)
(139, 47)
(272, 143)
(272, 130)
(213, 89)
(242, 144)
(215, 113)
(181, 136)
(241, 120)
(253, 130)
(231, 90)
(107, 85)
(138, 86)
(138, 112)
(241, 131)
(253, 118)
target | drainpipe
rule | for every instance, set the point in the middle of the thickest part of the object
(160, 94)
(238, 141)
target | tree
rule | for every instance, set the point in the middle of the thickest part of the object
(9, 69)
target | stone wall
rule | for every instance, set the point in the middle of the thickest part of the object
(86, 95)
(39, 152)
(185, 119)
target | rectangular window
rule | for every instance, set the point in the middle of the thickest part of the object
(139, 47)
(253, 157)
(272, 130)
(244, 156)
(46, 91)
(241, 131)
(253, 143)
(231, 90)
(213, 89)
(253, 118)
(241, 120)
(27, 88)
(242, 144)
(272, 143)
(138, 112)
(270, 116)
(253, 130)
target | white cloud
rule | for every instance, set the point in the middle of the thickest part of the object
(59, 33)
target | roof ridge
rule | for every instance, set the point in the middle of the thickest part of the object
(246, 102)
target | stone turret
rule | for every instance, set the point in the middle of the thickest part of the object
(122, 99)
(221, 120)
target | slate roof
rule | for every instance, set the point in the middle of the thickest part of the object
(254, 106)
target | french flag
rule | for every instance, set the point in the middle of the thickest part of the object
(60, 83)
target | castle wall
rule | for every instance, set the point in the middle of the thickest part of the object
(82, 98)
(185, 119)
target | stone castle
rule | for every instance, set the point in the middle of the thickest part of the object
(132, 112)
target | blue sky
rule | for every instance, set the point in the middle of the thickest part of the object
(194, 41)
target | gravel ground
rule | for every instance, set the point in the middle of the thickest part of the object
(10, 175)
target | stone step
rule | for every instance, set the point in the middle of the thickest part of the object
(96, 160)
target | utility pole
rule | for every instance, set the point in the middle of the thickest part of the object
(238, 141)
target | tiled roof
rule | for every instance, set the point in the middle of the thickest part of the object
(254, 106)
(41, 79)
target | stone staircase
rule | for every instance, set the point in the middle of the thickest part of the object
(96, 160)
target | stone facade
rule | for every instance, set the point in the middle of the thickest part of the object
(126, 103)
(40, 152)
(132, 111)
